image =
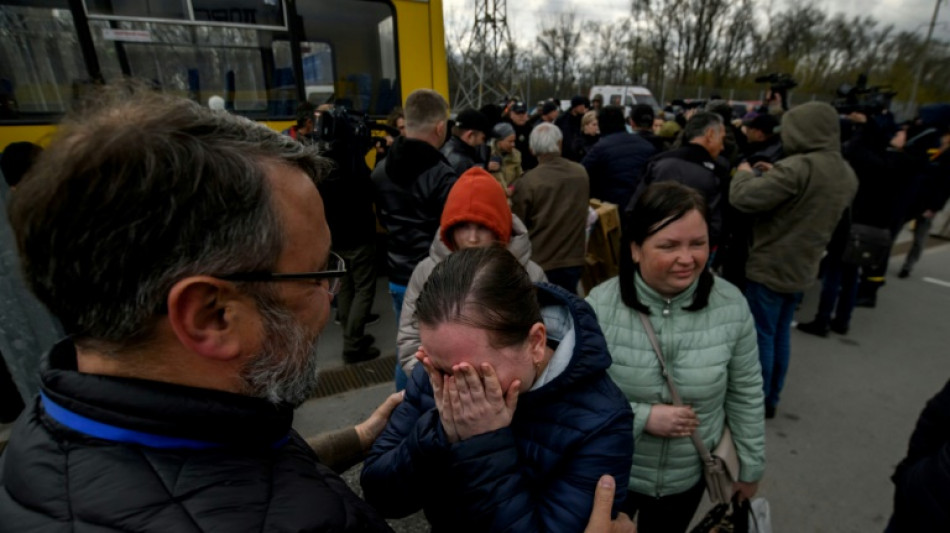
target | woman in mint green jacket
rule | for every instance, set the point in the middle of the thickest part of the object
(708, 339)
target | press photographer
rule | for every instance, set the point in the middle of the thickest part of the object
(345, 136)
(776, 98)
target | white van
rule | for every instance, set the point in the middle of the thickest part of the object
(625, 95)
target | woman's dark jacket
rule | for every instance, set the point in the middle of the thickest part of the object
(411, 186)
(177, 459)
(538, 474)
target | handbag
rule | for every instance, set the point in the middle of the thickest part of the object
(867, 246)
(730, 517)
(720, 468)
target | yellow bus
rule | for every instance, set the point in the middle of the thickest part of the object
(259, 58)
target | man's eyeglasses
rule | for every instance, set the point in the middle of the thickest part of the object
(336, 269)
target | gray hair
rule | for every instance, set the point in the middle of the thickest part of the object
(700, 123)
(137, 192)
(545, 139)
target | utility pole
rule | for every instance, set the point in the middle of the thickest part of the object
(487, 62)
(919, 70)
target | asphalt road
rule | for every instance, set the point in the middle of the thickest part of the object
(849, 405)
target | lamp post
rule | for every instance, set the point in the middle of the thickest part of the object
(919, 70)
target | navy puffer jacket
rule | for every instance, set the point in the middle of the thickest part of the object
(616, 165)
(538, 474)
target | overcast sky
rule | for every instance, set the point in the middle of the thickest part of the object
(525, 16)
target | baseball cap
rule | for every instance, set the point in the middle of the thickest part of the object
(580, 100)
(548, 107)
(519, 107)
(471, 119)
(765, 123)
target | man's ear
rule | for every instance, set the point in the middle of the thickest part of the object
(211, 318)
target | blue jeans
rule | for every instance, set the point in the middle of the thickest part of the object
(773, 313)
(398, 293)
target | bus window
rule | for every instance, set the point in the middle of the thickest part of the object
(250, 12)
(615, 99)
(41, 66)
(362, 40)
(124, 8)
(197, 62)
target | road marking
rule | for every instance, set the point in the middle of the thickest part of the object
(940, 282)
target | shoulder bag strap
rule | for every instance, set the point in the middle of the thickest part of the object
(645, 320)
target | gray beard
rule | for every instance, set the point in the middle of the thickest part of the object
(285, 370)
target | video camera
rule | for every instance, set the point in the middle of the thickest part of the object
(862, 99)
(779, 83)
(347, 135)
(343, 125)
(690, 103)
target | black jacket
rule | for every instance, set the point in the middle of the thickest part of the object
(659, 144)
(769, 150)
(411, 186)
(615, 166)
(104, 453)
(693, 166)
(347, 204)
(922, 479)
(461, 156)
(570, 126)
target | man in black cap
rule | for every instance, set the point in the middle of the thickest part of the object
(468, 133)
(570, 125)
(641, 120)
(517, 115)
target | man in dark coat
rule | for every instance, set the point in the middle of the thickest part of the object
(570, 125)
(191, 269)
(520, 120)
(696, 165)
(410, 188)
(616, 163)
(641, 120)
(462, 150)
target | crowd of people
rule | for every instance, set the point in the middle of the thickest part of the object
(521, 405)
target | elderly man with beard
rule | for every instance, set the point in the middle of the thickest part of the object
(192, 270)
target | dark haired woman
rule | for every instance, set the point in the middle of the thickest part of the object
(511, 419)
(707, 336)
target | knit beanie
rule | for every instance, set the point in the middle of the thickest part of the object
(476, 197)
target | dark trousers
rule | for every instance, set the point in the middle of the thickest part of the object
(839, 290)
(567, 277)
(666, 514)
(355, 300)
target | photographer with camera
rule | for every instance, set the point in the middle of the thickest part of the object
(776, 98)
(865, 148)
